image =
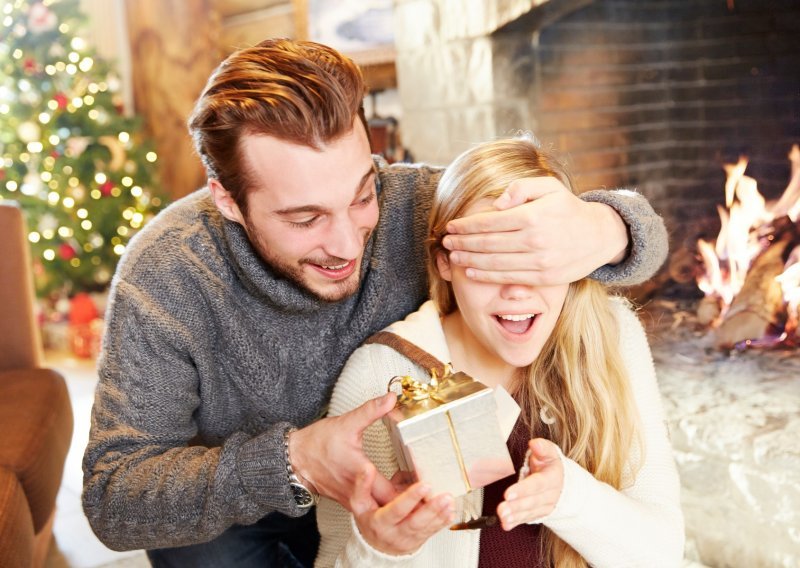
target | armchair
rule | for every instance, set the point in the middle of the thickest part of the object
(35, 411)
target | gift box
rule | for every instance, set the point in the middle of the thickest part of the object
(451, 432)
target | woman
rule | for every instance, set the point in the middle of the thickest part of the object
(602, 487)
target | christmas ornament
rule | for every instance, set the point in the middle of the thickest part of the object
(30, 66)
(66, 252)
(77, 145)
(41, 19)
(61, 100)
(117, 152)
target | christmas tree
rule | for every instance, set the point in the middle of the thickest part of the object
(78, 167)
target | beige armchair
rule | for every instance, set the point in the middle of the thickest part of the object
(35, 412)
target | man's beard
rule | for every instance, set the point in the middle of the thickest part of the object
(293, 272)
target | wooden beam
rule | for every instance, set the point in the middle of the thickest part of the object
(174, 48)
(301, 18)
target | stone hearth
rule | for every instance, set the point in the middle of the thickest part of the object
(734, 420)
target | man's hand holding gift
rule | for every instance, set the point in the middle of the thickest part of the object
(328, 455)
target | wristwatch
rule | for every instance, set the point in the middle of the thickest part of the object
(303, 496)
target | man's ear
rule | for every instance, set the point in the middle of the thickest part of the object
(443, 265)
(224, 202)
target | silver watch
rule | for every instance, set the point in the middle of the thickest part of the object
(303, 496)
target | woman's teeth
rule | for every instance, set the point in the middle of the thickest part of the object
(516, 317)
(517, 324)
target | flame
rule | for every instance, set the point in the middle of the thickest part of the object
(743, 226)
(790, 284)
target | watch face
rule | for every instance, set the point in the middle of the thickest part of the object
(302, 496)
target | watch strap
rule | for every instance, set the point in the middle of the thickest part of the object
(303, 496)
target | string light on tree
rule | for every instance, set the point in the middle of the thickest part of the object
(68, 155)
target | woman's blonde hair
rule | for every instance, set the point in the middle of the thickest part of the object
(579, 376)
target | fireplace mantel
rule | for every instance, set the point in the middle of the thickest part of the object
(541, 14)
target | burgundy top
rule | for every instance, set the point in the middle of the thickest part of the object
(519, 547)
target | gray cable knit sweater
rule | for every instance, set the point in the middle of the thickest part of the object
(208, 357)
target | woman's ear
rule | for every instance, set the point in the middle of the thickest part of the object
(443, 265)
(224, 202)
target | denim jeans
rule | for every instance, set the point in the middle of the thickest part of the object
(274, 541)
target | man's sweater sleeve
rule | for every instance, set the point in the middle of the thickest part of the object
(145, 486)
(641, 525)
(648, 238)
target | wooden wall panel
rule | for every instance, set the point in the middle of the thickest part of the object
(249, 28)
(174, 48)
(235, 7)
(175, 44)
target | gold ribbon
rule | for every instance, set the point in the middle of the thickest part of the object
(414, 391)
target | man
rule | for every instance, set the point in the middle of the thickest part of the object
(232, 313)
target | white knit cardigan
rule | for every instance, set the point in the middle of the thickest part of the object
(638, 526)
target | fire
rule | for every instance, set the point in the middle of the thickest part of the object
(748, 228)
(790, 284)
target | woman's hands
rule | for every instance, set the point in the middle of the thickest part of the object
(406, 522)
(537, 494)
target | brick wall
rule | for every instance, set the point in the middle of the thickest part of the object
(650, 94)
(657, 94)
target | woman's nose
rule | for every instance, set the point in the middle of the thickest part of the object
(515, 291)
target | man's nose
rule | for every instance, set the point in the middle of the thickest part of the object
(344, 240)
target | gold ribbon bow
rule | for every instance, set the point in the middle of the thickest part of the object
(413, 390)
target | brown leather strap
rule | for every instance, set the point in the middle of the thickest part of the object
(408, 350)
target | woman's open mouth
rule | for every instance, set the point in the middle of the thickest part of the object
(516, 324)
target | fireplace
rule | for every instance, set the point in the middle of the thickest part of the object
(658, 96)
(649, 94)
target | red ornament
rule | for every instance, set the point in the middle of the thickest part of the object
(106, 188)
(54, 154)
(61, 100)
(30, 66)
(2, 174)
(66, 251)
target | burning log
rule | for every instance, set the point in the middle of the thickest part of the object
(683, 266)
(709, 309)
(751, 275)
(759, 304)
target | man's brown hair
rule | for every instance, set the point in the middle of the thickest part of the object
(299, 91)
